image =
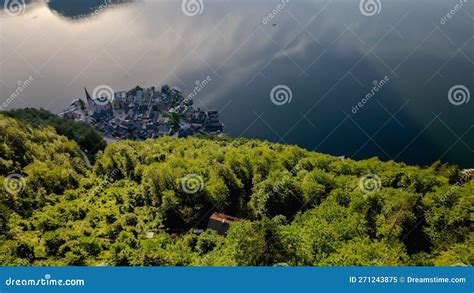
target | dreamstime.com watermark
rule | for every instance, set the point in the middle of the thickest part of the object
(462, 180)
(452, 12)
(108, 180)
(14, 7)
(14, 183)
(370, 7)
(459, 95)
(98, 10)
(378, 85)
(103, 95)
(370, 183)
(22, 85)
(44, 281)
(281, 95)
(192, 7)
(280, 6)
(402, 279)
(192, 183)
(200, 85)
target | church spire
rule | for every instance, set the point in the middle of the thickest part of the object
(87, 95)
(89, 102)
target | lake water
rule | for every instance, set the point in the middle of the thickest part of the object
(327, 53)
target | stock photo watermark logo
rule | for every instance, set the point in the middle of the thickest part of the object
(14, 183)
(377, 86)
(370, 7)
(14, 7)
(111, 174)
(200, 85)
(452, 12)
(47, 280)
(275, 11)
(281, 95)
(98, 10)
(462, 180)
(22, 85)
(192, 7)
(459, 95)
(103, 95)
(370, 183)
(192, 183)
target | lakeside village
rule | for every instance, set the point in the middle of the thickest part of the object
(140, 113)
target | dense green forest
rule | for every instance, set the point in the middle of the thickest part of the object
(86, 137)
(141, 201)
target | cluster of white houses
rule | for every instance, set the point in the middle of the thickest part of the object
(144, 113)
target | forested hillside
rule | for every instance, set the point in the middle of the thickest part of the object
(86, 137)
(141, 202)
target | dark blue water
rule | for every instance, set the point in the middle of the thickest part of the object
(327, 53)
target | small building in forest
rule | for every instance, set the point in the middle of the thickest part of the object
(221, 222)
(467, 172)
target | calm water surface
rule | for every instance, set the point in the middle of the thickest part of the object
(326, 52)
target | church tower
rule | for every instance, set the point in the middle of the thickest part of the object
(89, 103)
